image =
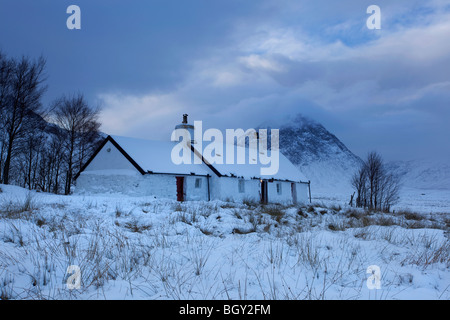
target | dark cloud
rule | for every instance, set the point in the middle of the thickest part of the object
(242, 63)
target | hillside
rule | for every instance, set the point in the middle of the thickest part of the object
(423, 174)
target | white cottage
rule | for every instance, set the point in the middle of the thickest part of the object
(145, 168)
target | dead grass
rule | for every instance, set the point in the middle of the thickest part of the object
(337, 226)
(431, 254)
(228, 205)
(18, 208)
(409, 215)
(274, 211)
(134, 226)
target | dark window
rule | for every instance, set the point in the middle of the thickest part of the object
(279, 191)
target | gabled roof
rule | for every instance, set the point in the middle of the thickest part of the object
(149, 156)
(155, 156)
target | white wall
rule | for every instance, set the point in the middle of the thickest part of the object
(286, 193)
(157, 185)
(226, 188)
(302, 193)
(90, 183)
(193, 193)
(112, 160)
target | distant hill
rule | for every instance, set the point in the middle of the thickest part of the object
(423, 174)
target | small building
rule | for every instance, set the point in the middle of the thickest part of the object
(138, 167)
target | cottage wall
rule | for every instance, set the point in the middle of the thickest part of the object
(110, 158)
(227, 188)
(196, 192)
(156, 185)
(107, 182)
(302, 193)
(279, 192)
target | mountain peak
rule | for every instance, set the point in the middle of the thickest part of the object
(318, 153)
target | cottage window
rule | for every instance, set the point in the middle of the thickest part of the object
(241, 186)
(279, 191)
(198, 183)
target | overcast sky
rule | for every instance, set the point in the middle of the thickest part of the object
(237, 64)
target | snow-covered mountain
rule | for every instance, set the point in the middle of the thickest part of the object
(423, 174)
(329, 164)
(319, 154)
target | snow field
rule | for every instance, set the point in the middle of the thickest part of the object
(142, 248)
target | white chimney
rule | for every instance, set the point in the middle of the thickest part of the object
(187, 126)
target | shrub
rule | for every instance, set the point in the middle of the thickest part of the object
(409, 215)
(386, 221)
(353, 213)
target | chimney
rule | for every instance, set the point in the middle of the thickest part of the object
(189, 127)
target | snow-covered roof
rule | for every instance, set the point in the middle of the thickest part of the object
(286, 170)
(155, 156)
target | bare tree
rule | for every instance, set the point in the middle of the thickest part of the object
(80, 132)
(34, 153)
(31, 155)
(6, 67)
(20, 94)
(49, 169)
(390, 191)
(359, 184)
(375, 172)
(376, 188)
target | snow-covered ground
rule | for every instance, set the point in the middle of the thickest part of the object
(143, 248)
(435, 201)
